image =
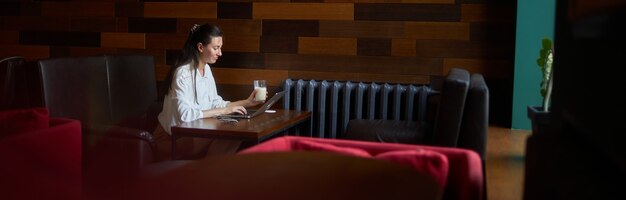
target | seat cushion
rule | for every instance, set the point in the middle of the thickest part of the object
(316, 146)
(393, 131)
(24, 120)
(430, 163)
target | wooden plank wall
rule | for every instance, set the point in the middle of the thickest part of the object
(399, 41)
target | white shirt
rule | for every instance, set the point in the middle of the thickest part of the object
(181, 105)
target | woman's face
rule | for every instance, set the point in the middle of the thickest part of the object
(211, 52)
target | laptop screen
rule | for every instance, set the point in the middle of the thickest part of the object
(268, 104)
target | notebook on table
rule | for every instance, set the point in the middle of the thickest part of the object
(253, 113)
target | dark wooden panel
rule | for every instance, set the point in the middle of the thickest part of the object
(328, 46)
(279, 44)
(407, 12)
(165, 41)
(230, 27)
(94, 24)
(91, 51)
(121, 24)
(183, 25)
(493, 31)
(180, 10)
(123, 40)
(101, 9)
(403, 47)
(303, 11)
(235, 92)
(489, 68)
(240, 60)
(373, 47)
(59, 52)
(31, 9)
(501, 12)
(360, 77)
(171, 56)
(58, 38)
(355, 64)
(27, 51)
(438, 30)
(408, 1)
(462, 49)
(9, 37)
(307, 28)
(158, 54)
(36, 23)
(152, 25)
(234, 10)
(361, 29)
(10, 8)
(313, 1)
(234, 43)
(245, 76)
(129, 9)
(240, 27)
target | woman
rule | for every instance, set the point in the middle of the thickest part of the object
(192, 92)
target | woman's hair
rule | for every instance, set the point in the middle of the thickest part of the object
(190, 54)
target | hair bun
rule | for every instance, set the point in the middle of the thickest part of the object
(194, 28)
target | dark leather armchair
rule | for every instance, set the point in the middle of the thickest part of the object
(112, 96)
(8, 67)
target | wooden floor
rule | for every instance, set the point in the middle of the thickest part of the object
(505, 163)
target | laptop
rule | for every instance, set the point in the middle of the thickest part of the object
(253, 113)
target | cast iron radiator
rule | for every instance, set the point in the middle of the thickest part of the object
(334, 103)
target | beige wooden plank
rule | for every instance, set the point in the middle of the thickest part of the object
(246, 76)
(82, 9)
(241, 43)
(360, 77)
(29, 52)
(438, 30)
(294, 11)
(123, 40)
(327, 46)
(180, 9)
(489, 68)
(403, 47)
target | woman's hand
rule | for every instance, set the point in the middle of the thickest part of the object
(251, 100)
(234, 109)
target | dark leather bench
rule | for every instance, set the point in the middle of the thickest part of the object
(457, 117)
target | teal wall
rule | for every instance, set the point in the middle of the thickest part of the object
(535, 20)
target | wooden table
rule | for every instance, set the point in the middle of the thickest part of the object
(284, 175)
(252, 131)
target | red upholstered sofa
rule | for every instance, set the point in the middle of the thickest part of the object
(40, 156)
(463, 178)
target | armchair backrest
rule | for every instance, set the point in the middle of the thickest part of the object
(7, 80)
(132, 86)
(449, 113)
(99, 90)
(77, 88)
(476, 116)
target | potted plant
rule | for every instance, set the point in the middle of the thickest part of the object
(539, 115)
